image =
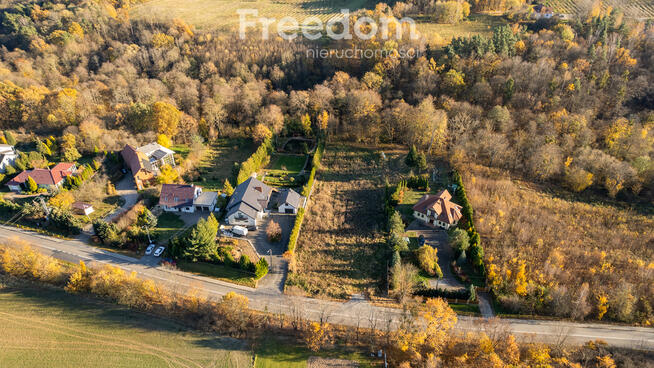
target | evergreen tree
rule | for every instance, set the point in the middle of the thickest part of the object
(31, 185)
(412, 157)
(146, 219)
(227, 188)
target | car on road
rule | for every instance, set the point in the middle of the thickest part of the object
(149, 249)
(159, 251)
(421, 240)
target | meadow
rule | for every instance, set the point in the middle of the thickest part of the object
(221, 14)
(345, 213)
(42, 326)
(218, 162)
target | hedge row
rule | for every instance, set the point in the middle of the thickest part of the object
(315, 164)
(259, 158)
(442, 293)
(295, 233)
(475, 252)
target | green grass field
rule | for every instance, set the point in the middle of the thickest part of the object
(168, 224)
(631, 8)
(49, 328)
(476, 24)
(221, 272)
(292, 164)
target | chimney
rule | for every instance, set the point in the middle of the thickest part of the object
(258, 189)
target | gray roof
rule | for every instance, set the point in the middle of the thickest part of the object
(291, 197)
(252, 193)
(206, 199)
(153, 148)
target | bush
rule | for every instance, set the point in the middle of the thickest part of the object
(261, 268)
(106, 231)
(274, 232)
(292, 240)
(451, 294)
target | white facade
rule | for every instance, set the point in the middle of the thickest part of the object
(287, 208)
(240, 218)
(431, 221)
(15, 188)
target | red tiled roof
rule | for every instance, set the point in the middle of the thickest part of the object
(174, 195)
(64, 167)
(440, 206)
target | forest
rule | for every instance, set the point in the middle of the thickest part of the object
(564, 104)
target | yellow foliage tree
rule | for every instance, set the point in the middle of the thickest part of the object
(521, 280)
(162, 40)
(163, 140)
(260, 133)
(167, 175)
(166, 118)
(79, 280)
(63, 200)
(602, 306)
(317, 335)
(76, 30)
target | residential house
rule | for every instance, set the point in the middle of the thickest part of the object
(437, 210)
(179, 197)
(49, 179)
(248, 203)
(289, 201)
(8, 156)
(82, 208)
(145, 162)
(543, 12)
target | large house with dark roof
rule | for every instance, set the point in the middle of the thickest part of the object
(146, 161)
(248, 203)
(49, 179)
(437, 210)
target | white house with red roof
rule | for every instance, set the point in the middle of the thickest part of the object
(437, 210)
(49, 179)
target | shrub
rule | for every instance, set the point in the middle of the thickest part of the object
(106, 231)
(292, 240)
(274, 232)
(245, 264)
(261, 268)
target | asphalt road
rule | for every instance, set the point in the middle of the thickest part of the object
(356, 312)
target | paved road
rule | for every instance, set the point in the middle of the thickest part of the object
(355, 312)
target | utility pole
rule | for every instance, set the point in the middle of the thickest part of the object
(271, 262)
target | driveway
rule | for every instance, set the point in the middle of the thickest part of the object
(437, 238)
(276, 277)
(126, 189)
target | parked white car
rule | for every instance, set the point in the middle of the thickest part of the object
(149, 249)
(159, 251)
(239, 231)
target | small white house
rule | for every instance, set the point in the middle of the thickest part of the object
(83, 208)
(289, 201)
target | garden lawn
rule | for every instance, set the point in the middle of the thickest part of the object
(168, 224)
(221, 272)
(47, 327)
(292, 164)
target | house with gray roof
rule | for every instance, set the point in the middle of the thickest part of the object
(248, 203)
(289, 201)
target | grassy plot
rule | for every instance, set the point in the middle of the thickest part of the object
(275, 353)
(476, 24)
(42, 327)
(221, 14)
(284, 170)
(221, 272)
(341, 246)
(219, 162)
(168, 224)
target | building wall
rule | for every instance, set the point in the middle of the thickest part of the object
(249, 221)
(282, 208)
